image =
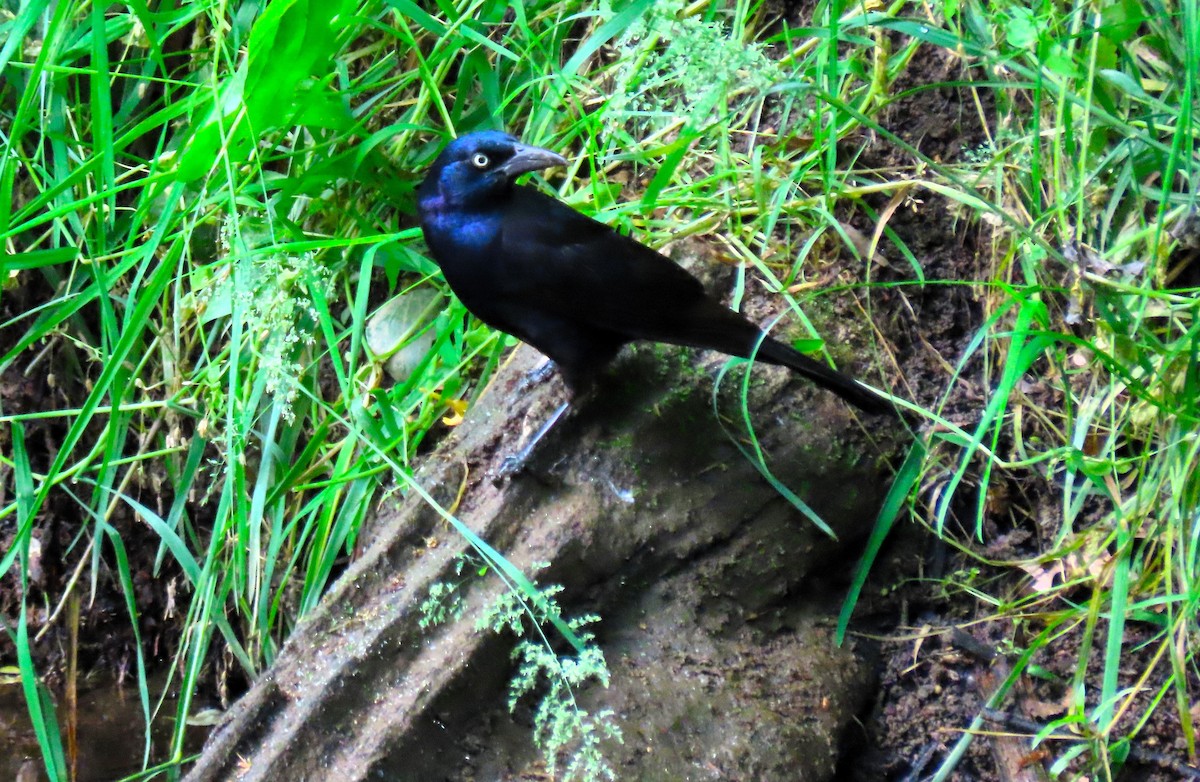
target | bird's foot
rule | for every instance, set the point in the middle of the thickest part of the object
(515, 463)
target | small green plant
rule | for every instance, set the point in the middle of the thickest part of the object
(564, 732)
(562, 729)
(445, 602)
(560, 726)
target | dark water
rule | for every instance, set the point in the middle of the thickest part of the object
(111, 733)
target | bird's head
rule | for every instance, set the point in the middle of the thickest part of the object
(483, 164)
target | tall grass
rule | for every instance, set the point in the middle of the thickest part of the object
(1091, 177)
(202, 206)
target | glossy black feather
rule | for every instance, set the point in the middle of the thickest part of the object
(575, 289)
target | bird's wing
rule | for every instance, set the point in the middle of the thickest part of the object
(559, 261)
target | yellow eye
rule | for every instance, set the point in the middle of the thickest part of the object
(480, 160)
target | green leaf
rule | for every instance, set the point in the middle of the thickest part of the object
(1020, 29)
(1119, 21)
(1123, 83)
(36, 259)
(291, 41)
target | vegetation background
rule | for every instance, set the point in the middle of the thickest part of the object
(203, 204)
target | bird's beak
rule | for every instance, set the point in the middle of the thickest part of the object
(526, 158)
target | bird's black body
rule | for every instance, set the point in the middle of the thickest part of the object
(575, 289)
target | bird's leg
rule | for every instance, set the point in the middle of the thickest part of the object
(516, 462)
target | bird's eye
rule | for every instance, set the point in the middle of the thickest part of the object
(480, 160)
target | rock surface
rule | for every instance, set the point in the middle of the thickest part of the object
(717, 617)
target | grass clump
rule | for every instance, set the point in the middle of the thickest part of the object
(669, 66)
(271, 295)
(1086, 352)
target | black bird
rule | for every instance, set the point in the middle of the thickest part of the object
(531, 266)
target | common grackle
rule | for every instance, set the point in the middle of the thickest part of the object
(531, 266)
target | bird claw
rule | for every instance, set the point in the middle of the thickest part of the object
(512, 464)
(515, 463)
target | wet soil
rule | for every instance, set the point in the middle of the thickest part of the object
(110, 730)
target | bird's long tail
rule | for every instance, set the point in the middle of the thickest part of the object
(712, 325)
(773, 351)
